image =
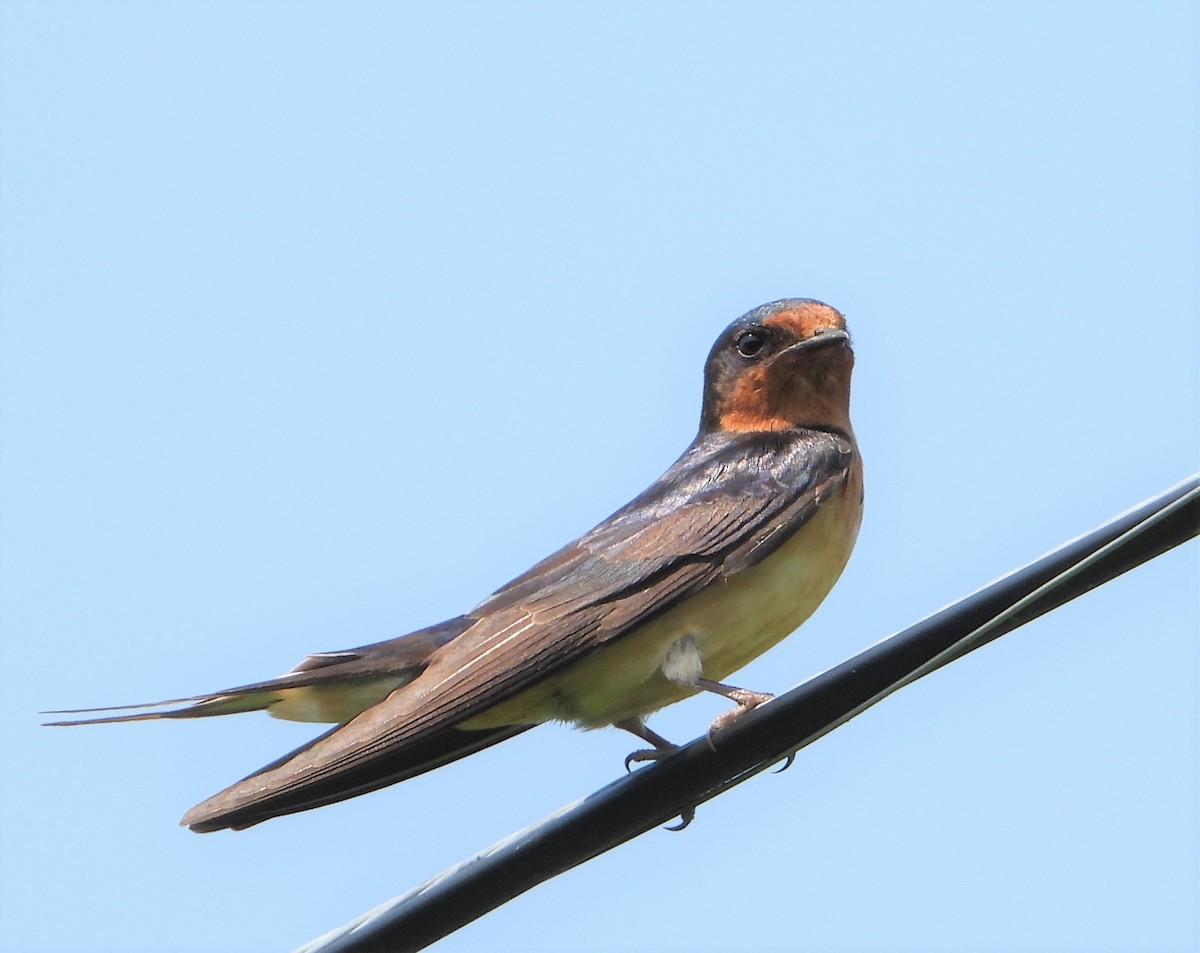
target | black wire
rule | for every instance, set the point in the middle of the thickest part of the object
(654, 795)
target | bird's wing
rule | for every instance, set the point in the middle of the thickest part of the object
(345, 681)
(725, 505)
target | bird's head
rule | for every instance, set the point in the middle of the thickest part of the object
(783, 365)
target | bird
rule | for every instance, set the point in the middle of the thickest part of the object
(720, 558)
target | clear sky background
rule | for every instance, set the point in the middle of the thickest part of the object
(323, 320)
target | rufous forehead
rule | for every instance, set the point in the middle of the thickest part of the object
(806, 320)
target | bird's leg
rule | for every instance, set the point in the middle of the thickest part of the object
(746, 700)
(661, 748)
(682, 665)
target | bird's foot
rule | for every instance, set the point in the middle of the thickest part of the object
(648, 754)
(661, 748)
(746, 701)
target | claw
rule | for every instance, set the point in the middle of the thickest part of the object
(746, 701)
(648, 754)
(786, 764)
(661, 748)
(686, 816)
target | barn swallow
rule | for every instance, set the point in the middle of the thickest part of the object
(723, 556)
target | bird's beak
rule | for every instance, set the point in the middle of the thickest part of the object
(825, 338)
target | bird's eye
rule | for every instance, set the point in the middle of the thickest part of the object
(750, 343)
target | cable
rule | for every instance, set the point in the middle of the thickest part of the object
(653, 795)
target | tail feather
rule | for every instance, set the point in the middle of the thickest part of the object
(324, 687)
(229, 702)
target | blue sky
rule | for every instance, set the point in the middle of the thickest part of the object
(321, 321)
